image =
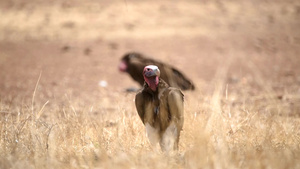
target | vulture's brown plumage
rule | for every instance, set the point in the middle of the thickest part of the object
(134, 63)
(160, 108)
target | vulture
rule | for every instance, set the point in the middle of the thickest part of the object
(160, 108)
(134, 63)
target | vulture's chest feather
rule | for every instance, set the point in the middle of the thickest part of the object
(156, 111)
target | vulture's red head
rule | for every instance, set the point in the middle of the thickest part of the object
(151, 75)
(123, 66)
(127, 60)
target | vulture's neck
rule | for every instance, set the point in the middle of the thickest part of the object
(160, 87)
(152, 82)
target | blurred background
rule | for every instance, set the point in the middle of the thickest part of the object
(76, 45)
(63, 101)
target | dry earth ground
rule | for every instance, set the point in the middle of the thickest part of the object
(243, 56)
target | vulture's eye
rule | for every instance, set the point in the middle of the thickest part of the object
(148, 69)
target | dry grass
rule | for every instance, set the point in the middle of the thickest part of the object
(244, 113)
(220, 131)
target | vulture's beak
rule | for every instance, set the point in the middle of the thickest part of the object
(151, 71)
(151, 76)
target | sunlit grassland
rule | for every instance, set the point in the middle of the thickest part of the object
(226, 129)
(246, 117)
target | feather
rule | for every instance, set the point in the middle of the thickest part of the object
(161, 111)
(135, 63)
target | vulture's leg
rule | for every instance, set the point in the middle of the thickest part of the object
(169, 139)
(152, 134)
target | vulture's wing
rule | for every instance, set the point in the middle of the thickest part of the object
(174, 77)
(176, 106)
(139, 104)
(137, 62)
(183, 82)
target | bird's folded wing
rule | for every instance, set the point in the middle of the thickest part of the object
(139, 104)
(176, 105)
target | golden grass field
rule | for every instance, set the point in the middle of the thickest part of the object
(243, 56)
